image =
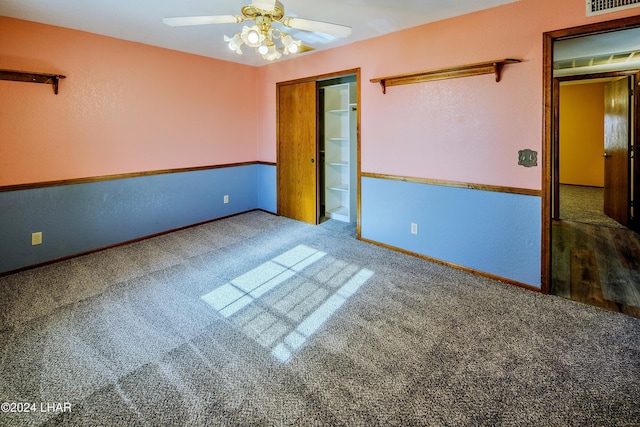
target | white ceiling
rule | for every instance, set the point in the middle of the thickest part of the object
(599, 44)
(597, 53)
(141, 20)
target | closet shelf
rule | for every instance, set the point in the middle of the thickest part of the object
(341, 210)
(27, 76)
(339, 187)
(489, 67)
(340, 177)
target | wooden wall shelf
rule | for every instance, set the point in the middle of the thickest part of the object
(27, 76)
(489, 67)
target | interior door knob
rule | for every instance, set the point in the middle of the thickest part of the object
(313, 160)
(606, 156)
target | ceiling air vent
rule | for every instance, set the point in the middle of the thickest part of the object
(597, 7)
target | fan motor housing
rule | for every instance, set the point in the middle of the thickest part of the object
(252, 12)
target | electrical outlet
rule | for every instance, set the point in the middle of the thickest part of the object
(36, 238)
(414, 228)
(226, 199)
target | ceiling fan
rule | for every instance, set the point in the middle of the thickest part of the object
(261, 35)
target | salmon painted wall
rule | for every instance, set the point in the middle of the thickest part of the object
(468, 129)
(124, 107)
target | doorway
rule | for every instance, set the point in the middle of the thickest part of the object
(586, 258)
(593, 249)
(311, 126)
(337, 143)
(594, 176)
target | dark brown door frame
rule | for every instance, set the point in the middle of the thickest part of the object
(550, 124)
(356, 72)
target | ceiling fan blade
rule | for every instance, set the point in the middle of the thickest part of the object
(264, 4)
(304, 48)
(202, 20)
(317, 26)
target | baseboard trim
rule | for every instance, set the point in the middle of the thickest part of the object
(373, 242)
(452, 265)
(127, 242)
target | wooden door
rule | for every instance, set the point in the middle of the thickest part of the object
(617, 181)
(297, 152)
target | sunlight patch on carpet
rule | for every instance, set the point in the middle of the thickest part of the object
(294, 307)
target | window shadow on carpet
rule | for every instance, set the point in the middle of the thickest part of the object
(279, 308)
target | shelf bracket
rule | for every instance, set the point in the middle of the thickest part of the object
(55, 81)
(497, 68)
(383, 83)
(31, 77)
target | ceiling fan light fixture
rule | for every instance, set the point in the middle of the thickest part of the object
(234, 43)
(290, 45)
(262, 35)
(272, 53)
(251, 36)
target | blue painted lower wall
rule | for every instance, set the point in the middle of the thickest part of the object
(492, 232)
(82, 217)
(267, 199)
(496, 233)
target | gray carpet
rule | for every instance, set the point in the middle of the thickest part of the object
(584, 204)
(261, 320)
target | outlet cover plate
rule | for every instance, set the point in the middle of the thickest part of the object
(36, 238)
